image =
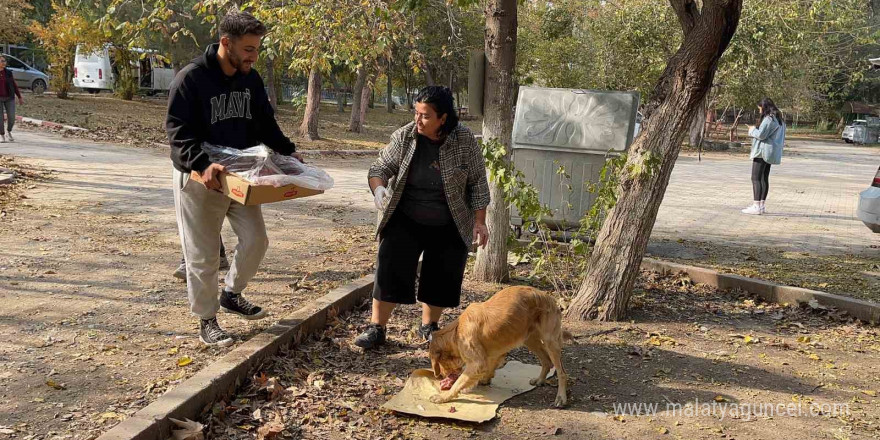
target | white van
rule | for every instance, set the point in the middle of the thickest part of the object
(93, 72)
(97, 71)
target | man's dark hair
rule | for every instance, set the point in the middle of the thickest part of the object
(237, 24)
(440, 98)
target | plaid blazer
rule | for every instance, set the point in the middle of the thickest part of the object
(462, 169)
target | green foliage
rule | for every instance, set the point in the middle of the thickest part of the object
(559, 266)
(13, 25)
(59, 37)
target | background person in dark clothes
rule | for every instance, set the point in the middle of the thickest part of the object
(8, 92)
(180, 273)
(219, 99)
(436, 205)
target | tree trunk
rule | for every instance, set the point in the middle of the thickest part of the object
(309, 127)
(354, 124)
(406, 85)
(368, 87)
(695, 132)
(429, 76)
(372, 100)
(270, 83)
(614, 263)
(501, 25)
(389, 93)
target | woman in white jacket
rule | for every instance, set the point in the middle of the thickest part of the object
(768, 140)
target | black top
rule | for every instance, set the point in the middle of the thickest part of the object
(206, 105)
(423, 199)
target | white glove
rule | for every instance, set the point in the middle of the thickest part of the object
(379, 196)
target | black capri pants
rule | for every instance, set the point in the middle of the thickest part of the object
(402, 240)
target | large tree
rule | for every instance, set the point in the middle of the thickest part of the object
(614, 263)
(498, 97)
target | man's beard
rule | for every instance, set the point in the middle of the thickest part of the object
(237, 62)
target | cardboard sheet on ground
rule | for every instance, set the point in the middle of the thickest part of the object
(478, 405)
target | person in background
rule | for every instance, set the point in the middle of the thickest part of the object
(436, 205)
(8, 92)
(180, 272)
(768, 140)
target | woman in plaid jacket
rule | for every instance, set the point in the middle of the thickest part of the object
(430, 184)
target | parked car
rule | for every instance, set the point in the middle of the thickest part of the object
(869, 205)
(26, 77)
(849, 132)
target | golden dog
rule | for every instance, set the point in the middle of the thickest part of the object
(485, 332)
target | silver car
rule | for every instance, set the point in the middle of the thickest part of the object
(869, 205)
(26, 77)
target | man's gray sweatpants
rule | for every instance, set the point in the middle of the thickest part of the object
(200, 214)
(8, 107)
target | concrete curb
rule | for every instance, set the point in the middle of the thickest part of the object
(49, 124)
(865, 310)
(198, 393)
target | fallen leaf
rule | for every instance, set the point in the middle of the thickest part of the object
(55, 385)
(184, 361)
(189, 430)
(270, 430)
(452, 409)
(815, 357)
(173, 351)
(804, 339)
(720, 398)
(869, 393)
(663, 430)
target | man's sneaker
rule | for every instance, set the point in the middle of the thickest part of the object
(237, 304)
(372, 337)
(426, 329)
(210, 333)
(180, 273)
(2, 138)
(224, 262)
(9, 137)
(752, 210)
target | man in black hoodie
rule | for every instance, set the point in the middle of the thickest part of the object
(220, 99)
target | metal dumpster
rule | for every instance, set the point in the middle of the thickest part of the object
(574, 129)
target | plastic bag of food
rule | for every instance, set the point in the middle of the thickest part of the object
(262, 166)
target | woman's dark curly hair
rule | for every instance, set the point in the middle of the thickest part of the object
(440, 99)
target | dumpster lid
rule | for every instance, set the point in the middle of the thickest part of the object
(574, 120)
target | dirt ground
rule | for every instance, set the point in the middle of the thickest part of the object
(849, 275)
(686, 345)
(141, 122)
(94, 327)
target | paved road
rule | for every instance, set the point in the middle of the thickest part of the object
(811, 206)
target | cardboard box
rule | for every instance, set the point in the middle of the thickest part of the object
(247, 193)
